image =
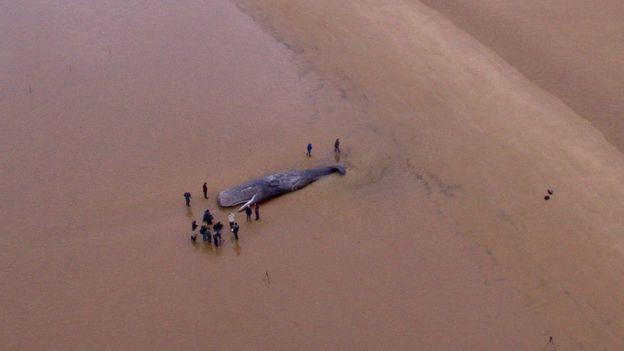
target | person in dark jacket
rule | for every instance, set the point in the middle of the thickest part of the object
(194, 225)
(187, 197)
(217, 238)
(257, 211)
(217, 227)
(208, 217)
(194, 235)
(217, 233)
(337, 146)
(309, 153)
(248, 213)
(205, 189)
(205, 232)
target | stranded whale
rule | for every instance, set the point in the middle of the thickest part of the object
(273, 185)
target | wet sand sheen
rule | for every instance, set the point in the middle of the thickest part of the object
(160, 98)
(437, 238)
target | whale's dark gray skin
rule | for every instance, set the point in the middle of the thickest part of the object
(273, 185)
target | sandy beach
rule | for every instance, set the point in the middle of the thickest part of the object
(437, 238)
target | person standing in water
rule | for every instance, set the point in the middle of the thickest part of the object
(217, 239)
(309, 153)
(248, 213)
(231, 219)
(217, 235)
(217, 227)
(205, 189)
(194, 235)
(337, 146)
(235, 228)
(187, 197)
(205, 232)
(257, 211)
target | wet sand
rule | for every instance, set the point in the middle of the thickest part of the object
(437, 238)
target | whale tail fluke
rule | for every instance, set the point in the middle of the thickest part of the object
(341, 169)
(316, 173)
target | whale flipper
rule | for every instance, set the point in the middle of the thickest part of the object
(248, 203)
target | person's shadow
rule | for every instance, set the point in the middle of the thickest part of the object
(235, 246)
(189, 212)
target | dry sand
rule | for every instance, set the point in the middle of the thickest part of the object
(438, 238)
(573, 49)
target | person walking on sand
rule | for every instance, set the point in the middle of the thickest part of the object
(234, 229)
(187, 197)
(205, 189)
(309, 153)
(337, 146)
(248, 213)
(194, 225)
(231, 219)
(257, 211)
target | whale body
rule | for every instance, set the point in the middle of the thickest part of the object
(273, 185)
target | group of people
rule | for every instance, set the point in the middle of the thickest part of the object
(214, 236)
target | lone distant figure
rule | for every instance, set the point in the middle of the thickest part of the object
(337, 146)
(205, 188)
(231, 219)
(235, 228)
(248, 213)
(257, 211)
(187, 197)
(217, 227)
(194, 225)
(309, 153)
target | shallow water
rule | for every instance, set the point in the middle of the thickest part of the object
(111, 111)
(437, 237)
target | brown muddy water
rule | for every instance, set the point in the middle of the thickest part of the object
(438, 237)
